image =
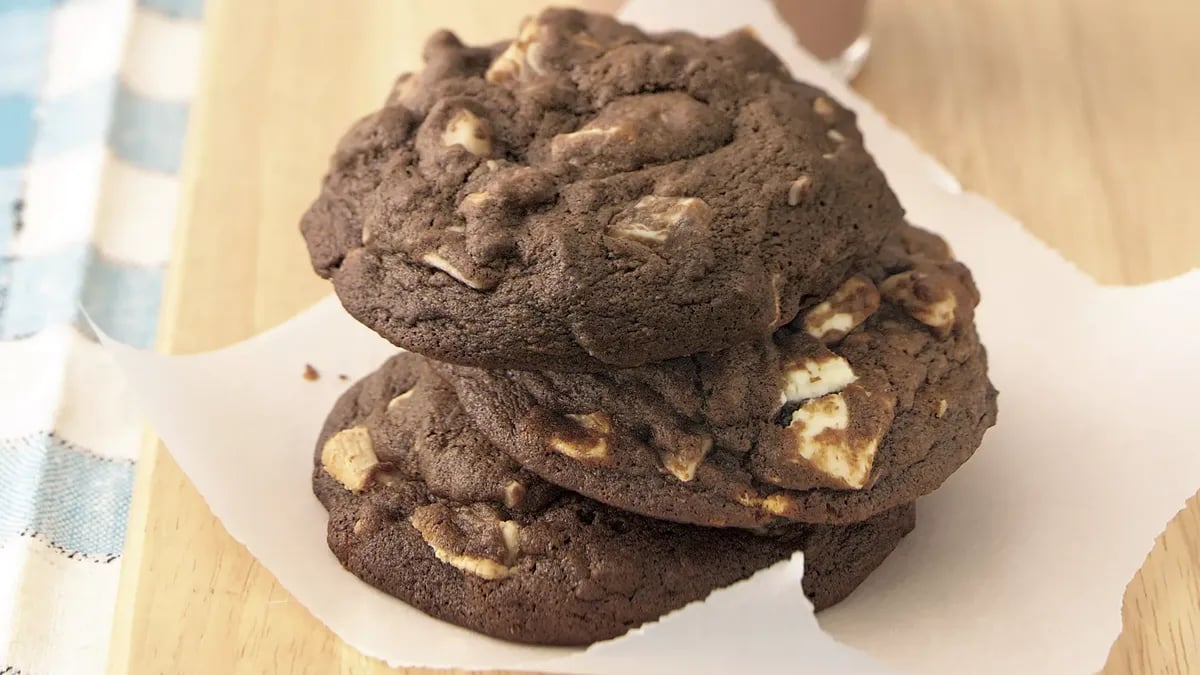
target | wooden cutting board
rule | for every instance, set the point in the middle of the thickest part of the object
(1074, 115)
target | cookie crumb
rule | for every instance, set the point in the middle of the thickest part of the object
(311, 373)
(343, 377)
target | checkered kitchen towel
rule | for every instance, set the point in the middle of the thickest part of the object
(93, 105)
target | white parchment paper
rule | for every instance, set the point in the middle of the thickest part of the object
(1017, 565)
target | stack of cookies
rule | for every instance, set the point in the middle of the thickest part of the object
(666, 325)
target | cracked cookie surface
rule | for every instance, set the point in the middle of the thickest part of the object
(869, 399)
(589, 196)
(424, 508)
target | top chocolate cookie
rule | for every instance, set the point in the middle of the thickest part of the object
(589, 196)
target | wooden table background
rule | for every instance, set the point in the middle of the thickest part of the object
(1078, 116)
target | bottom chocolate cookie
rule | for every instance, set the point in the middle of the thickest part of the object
(422, 507)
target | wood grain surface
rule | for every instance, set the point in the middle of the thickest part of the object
(1074, 115)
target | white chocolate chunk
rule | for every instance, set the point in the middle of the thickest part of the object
(593, 135)
(475, 200)
(467, 130)
(349, 456)
(683, 461)
(850, 305)
(939, 314)
(594, 450)
(797, 190)
(823, 107)
(485, 568)
(641, 232)
(514, 493)
(480, 567)
(593, 421)
(652, 218)
(521, 59)
(820, 429)
(842, 322)
(399, 400)
(927, 298)
(777, 504)
(588, 447)
(816, 377)
(439, 263)
(579, 147)
(511, 533)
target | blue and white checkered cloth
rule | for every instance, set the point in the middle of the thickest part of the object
(93, 105)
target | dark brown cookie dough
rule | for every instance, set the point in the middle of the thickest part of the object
(868, 400)
(424, 508)
(590, 196)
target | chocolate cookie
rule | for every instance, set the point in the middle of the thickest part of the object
(869, 400)
(589, 196)
(424, 508)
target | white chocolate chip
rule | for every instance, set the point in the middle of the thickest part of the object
(534, 58)
(431, 523)
(924, 297)
(349, 456)
(439, 263)
(820, 432)
(797, 190)
(467, 130)
(652, 218)
(941, 313)
(841, 322)
(851, 304)
(511, 533)
(359, 526)
(816, 376)
(942, 407)
(835, 136)
(476, 199)
(682, 461)
(477, 205)
(586, 447)
(586, 135)
(400, 399)
(594, 451)
(480, 567)
(514, 493)
(823, 107)
(579, 147)
(521, 59)
(593, 421)
(777, 504)
(828, 413)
